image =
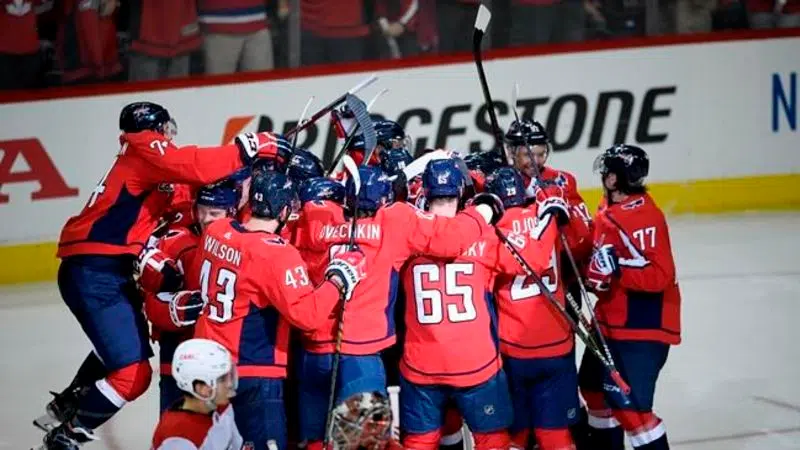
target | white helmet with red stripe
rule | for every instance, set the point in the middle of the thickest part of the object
(202, 360)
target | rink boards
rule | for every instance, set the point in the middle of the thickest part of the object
(719, 120)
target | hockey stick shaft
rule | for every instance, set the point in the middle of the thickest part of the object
(585, 295)
(582, 334)
(481, 22)
(337, 355)
(302, 120)
(331, 106)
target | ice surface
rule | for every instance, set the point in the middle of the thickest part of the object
(733, 384)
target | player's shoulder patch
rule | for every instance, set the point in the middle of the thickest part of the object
(633, 204)
(274, 241)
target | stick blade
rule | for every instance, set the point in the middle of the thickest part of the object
(483, 18)
(352, 171)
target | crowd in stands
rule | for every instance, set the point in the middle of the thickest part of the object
(46, 43)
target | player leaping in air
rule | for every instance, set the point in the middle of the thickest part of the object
(98, 248)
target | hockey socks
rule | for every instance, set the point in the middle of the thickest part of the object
(108, 395)
(452, 442)
(91, 370)
(607, 438)
(658, 444)
(95, 407)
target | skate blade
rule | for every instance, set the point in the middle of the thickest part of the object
(46, 423)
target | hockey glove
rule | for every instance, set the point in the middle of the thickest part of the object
(550, 199)
(603, 266)
(157, 272)
(185, 307)
(346, 270)
(489, 206)
(265, 145)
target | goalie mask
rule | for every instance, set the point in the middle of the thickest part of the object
(363, 421)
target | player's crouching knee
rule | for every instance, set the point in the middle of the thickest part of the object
(129, 382)
(495, 440)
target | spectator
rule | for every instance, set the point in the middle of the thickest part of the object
(774, 14)
(236, 35)
(19, 44)
(456, 20)
(694, 16)
(624, 18)
(164, 33)
(397, 20)
(86, 44)
(546, 21)
(333, 31)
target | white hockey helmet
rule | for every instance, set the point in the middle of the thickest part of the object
(201, 360)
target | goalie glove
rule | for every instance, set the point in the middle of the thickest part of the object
(185, 307)
(154, 271)
(603, 266)
(264, 145)
(346, 270)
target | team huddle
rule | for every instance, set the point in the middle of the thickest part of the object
(288, 303)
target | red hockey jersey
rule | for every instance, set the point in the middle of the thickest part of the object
(179, 429)
(530, 327)
(128, 202)
(449, 306)
(180, 245)
(644, 303)
(256, 285)
(388, 239)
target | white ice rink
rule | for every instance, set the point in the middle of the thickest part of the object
(733, 384)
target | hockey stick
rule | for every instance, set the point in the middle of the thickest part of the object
(351, 135)
(370, 141)
(352, 170)
(331, 106)
(585, 295)
(582, 334)
(481, 22)
(302, 120)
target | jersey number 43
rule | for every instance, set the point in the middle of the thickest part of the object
(220, 307)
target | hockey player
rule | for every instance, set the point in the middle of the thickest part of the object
(632, 271)
(203, 418)
(388, 235)
(448, 308)
(390, 135)
(99, 246)
(169, 276)
(528, 147)
(256, 285)
(536, 341)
